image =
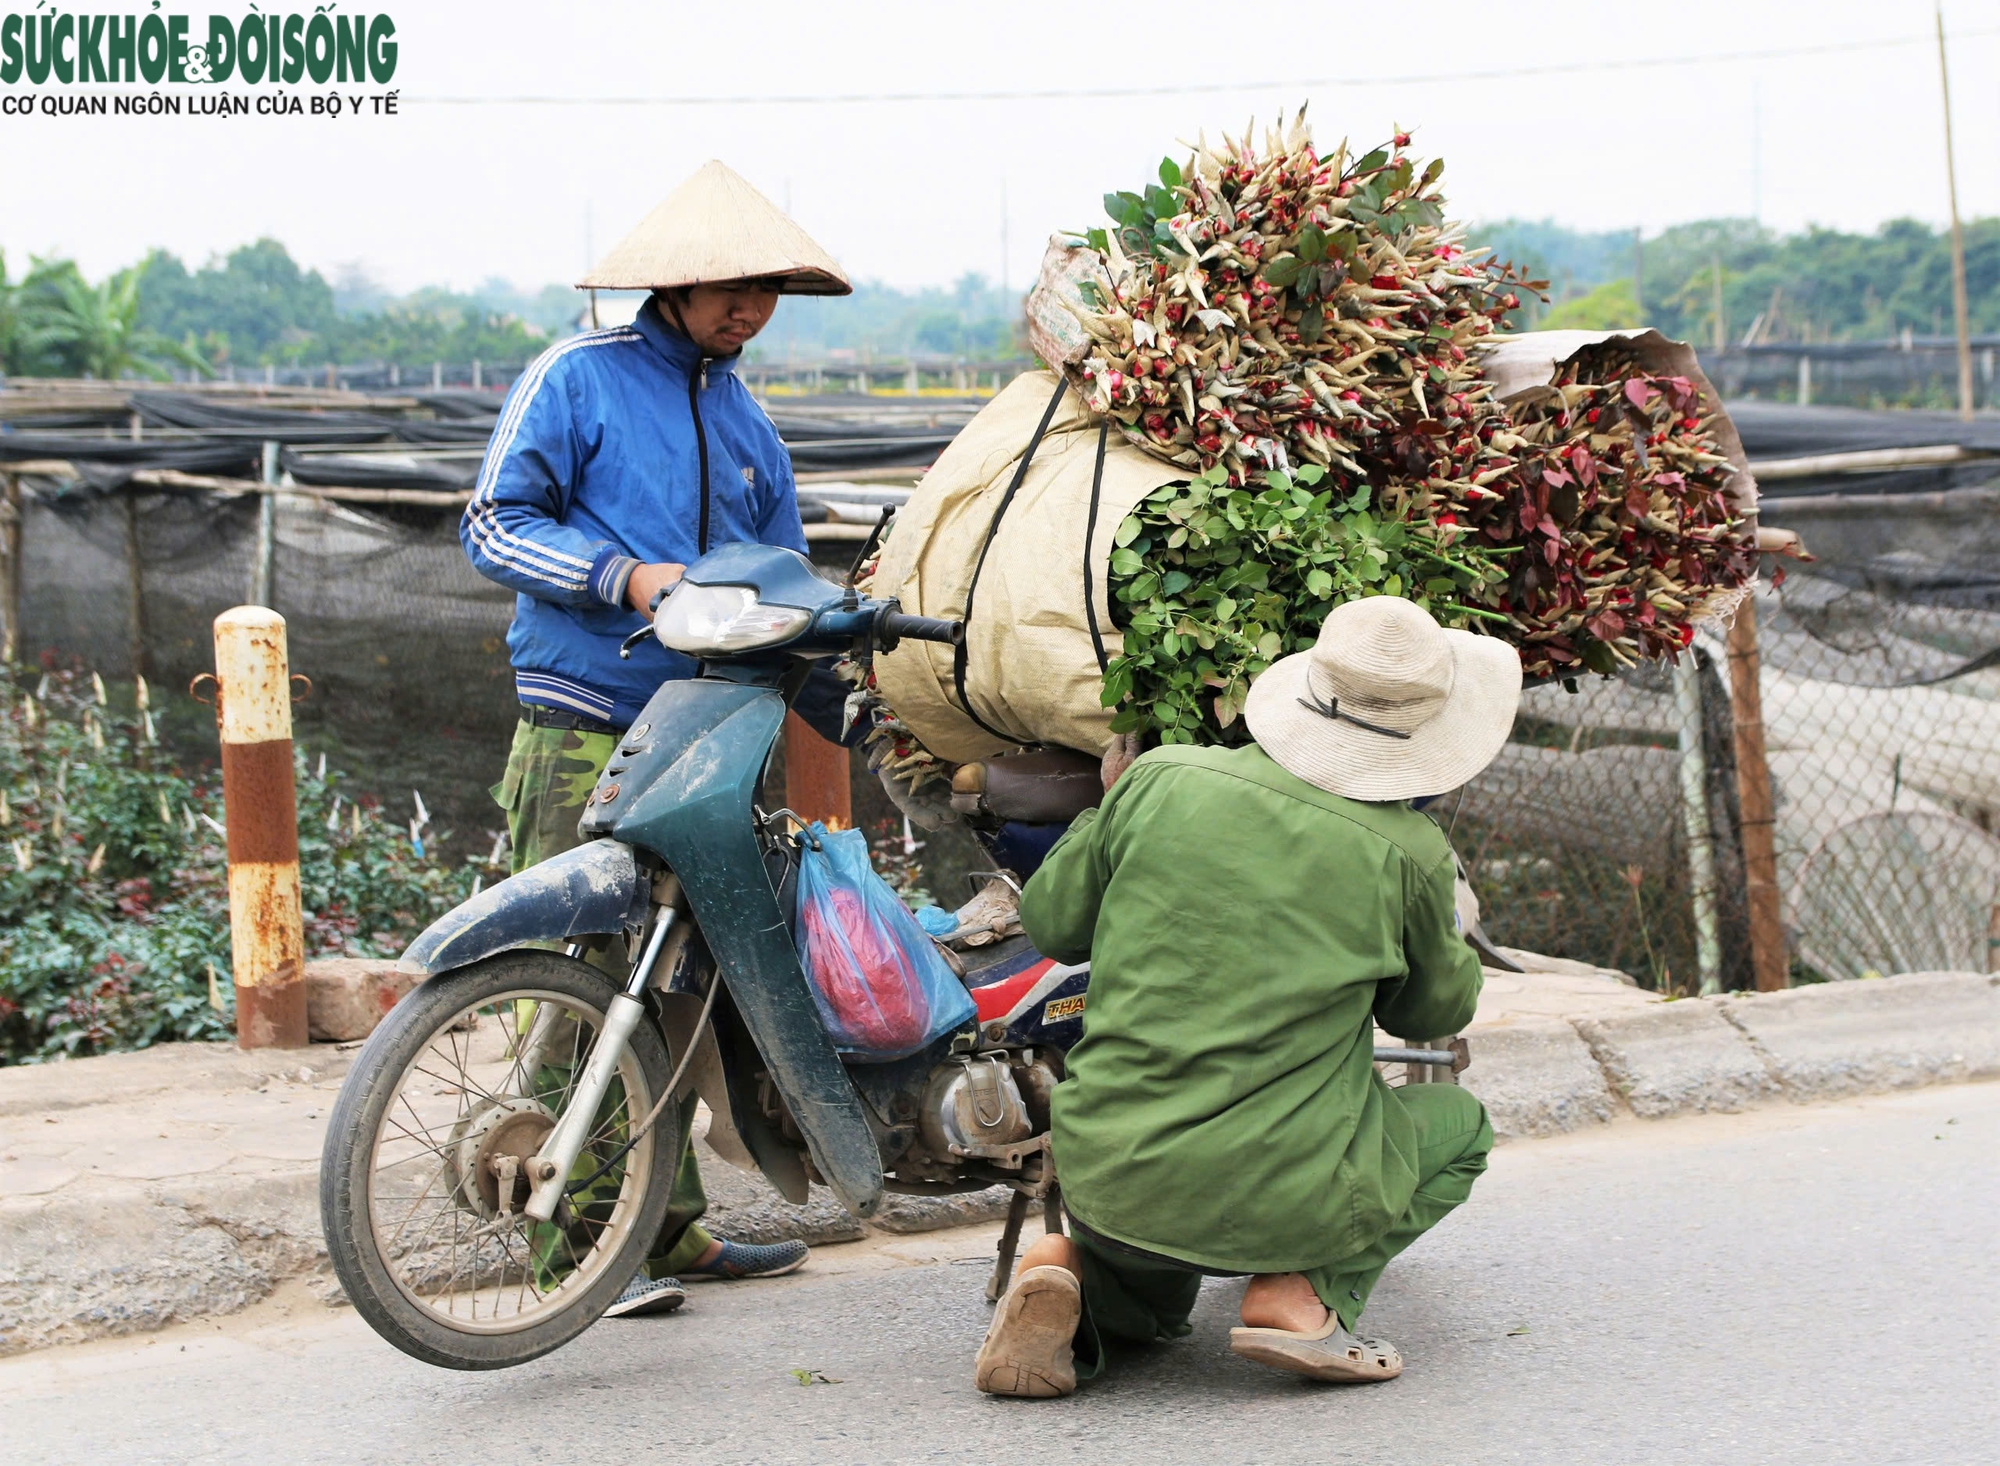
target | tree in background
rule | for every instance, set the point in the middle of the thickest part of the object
(1612, 306)
(974, 319)
(8, 318)
(1818, 285)
(84, 330)
(257, 303)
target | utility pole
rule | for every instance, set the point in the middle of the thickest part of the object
(1721, 327)
(1960, 311)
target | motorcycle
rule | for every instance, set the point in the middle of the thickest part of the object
(502, 1153)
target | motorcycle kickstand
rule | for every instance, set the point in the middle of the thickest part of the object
(1010, 1238)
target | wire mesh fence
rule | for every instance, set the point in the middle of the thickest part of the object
(1883, 750)
(1610, 830)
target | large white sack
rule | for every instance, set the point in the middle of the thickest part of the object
(1031, 667)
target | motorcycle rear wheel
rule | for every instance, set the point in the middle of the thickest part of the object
(438, 1111)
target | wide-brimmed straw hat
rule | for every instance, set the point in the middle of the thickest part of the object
(713, 228)
(1387, 704)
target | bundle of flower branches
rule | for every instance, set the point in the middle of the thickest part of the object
(1258, 310)
(1619, 513)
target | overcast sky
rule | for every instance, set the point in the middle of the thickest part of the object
(911, 192)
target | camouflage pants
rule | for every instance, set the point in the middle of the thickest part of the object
(550, 775)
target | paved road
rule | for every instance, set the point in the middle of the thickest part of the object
(1811, 1285)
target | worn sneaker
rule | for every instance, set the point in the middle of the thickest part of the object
(645, 1295)
(1029, 1350)
(749, 1260)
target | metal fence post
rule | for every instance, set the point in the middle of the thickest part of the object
(1696, 824)
(263, 574)
(260, 807)
(11, 528)
(135, 587)
(1753, 797)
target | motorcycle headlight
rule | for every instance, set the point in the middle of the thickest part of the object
(703, 620)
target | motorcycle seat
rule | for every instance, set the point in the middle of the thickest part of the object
(1050, 786)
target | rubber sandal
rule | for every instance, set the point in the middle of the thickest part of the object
(1330, 1353)
(644, 1295)
(739, 1260)
(1027, 1351)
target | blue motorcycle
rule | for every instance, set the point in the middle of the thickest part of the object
(502, 1154)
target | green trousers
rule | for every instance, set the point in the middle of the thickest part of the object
(1140, 1301)
(550, 775)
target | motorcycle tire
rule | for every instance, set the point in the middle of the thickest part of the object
(390, 1087)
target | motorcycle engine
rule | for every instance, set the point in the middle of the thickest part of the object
(972, 1105)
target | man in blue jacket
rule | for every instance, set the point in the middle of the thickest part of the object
(621, 457)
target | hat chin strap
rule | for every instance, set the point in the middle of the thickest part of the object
(673, 306)
(1330, 709)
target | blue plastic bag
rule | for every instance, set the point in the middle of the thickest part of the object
(882, 989)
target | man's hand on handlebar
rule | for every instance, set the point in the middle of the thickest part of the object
(648, 581)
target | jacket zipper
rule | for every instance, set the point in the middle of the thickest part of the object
(697, 384)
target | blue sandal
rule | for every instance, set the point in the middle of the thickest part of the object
(739, 1260)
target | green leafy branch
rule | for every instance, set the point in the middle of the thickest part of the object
(1211, 584)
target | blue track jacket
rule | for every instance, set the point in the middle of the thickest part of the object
(596, 468)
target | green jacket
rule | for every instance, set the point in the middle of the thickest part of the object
(1242, 928)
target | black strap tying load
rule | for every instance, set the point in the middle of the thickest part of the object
(958, 661)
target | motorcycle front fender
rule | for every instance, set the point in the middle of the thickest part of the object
(595, 888)
(687, 793)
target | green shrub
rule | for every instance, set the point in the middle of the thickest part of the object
(114, 912)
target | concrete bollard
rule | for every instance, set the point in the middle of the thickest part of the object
(266, 934)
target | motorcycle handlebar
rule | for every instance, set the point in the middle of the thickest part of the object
(894, 626)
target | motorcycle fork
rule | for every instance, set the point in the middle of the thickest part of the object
(549, 1170)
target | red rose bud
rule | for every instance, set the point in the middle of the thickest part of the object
(1402, 139)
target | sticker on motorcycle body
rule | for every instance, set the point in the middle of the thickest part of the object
(1058, 1009)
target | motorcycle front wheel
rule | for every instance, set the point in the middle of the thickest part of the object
(424, 1173)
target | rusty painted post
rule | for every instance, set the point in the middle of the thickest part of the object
(816, 782)
(1768, 960)
(266, 936)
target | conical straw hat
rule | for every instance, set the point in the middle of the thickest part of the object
(712, 228)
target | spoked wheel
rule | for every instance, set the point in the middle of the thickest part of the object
(424, 1175)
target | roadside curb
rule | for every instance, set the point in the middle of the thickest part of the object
(1736, 1052)
(1537, 1077)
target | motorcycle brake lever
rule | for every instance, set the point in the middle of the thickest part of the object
(625, 646)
